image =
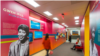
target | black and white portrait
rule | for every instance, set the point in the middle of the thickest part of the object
(93, 49)
(21, 46)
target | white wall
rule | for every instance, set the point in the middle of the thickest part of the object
(74, 29)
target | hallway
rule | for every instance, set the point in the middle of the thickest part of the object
(35, 26)
(62, 50)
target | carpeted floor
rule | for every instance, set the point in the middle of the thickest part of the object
(64, 50)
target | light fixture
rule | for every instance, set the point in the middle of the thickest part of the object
(32, 2)
(66, 26)
(77, 21)
(63, 23)
(77, 17)
(48, 13)
(55, 18)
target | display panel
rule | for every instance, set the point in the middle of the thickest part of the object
(74, 32)
(34, 25)
(30, 37)
(63, 35)
(38, 34)
(56, 37)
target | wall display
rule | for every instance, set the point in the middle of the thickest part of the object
(13, 15)
(38, 34)
(95, 29)
(34, 25)
(14, 50)
(30, 37)
(56, 37)
(63, 35)
(59, 35)
(94, 35)
(74, 32)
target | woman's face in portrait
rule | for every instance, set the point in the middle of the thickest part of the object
(93, 33)
(21, 34)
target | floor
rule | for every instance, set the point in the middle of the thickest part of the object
(63, 50)
(41, 53)
(73, 41)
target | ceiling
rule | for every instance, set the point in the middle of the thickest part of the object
(72, 8)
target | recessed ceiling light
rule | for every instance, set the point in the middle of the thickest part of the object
(77, 21)
(66, 26)
(48, 13)
(77, 17)
(55, 18)
(32, 2)
(63, 23)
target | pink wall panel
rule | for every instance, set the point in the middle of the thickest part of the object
(12, 15)
(82, 35)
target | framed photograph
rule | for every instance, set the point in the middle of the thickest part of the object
(74, 32)
(38, 34)
(30, 36)
(34, 25)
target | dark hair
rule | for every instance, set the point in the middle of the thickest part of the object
(47, 36)
(24, 27)
(93, 23)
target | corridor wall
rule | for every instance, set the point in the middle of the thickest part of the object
(12, 15)
(82, 34)
(37, 45)
(93, 15)
(95, 23)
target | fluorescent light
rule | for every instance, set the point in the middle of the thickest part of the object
(55, 18)
(48, 13)
(77, 21)
(66, 25)
(63, 23)
(32, 2)
(60, 26)
(77, 17)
